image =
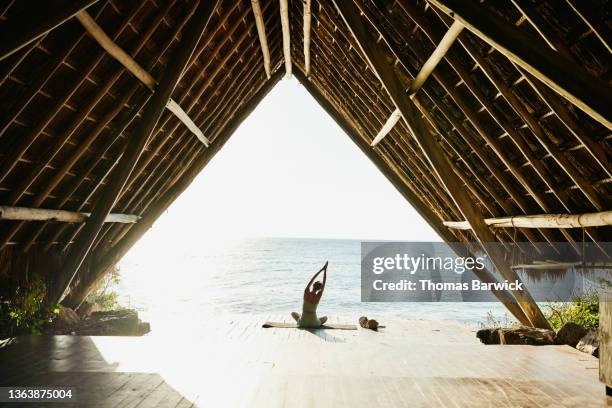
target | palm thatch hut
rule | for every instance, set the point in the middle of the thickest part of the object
(491, 118)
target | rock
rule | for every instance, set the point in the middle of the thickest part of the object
(87, 308)
(488, 336)
(65, 321)
(526, 336)
(111, 323)
(570, 333)
(589, 343)
(143, 328)
(368, 323)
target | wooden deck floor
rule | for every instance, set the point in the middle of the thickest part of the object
(237, 363)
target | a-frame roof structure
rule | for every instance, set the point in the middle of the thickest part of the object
(483, 112)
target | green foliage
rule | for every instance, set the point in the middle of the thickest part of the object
(24, 311)
(583, 309)
(104, 294)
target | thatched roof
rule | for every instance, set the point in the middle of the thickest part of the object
(515, 144)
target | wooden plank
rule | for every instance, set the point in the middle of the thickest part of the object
(567, 78)
(136, 144)
(435, 155)
(31, 24)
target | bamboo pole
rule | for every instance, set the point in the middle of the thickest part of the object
(136, 143)
(593, 19)
(587, 92)
(136, 69)
(434, 154)
(596, 219)
(21, 30)
(284, 16)
(261, 32)
(307, 24)
(428, 67)
(41, 214)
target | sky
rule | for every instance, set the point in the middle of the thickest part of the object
(288, 171)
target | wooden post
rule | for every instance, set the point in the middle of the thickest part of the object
(102, 265)
(589, 93)
(261, 32)
(136, 144)
(424, 211)
(284, 16)
(434, 153)
(44, 16)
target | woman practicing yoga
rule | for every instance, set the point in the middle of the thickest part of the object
(312, 296)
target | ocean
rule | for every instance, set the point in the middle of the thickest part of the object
(265, 276)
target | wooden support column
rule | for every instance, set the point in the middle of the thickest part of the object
(261, 32)
(136, 144)
(403, 187)
(107, 260)
(34, 22)
(284, 16)
(138, 71)
(434, 153)
(589, 93)
(424, 73)
(307, 24)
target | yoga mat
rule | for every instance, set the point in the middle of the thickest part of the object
(328, 326)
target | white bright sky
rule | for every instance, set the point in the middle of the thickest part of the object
(288, 171)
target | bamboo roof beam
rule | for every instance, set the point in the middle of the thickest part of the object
(307, 25)
(594, 20)
(136, 69)
(41, 214)
(284, 17)
(261, 32)
(137, 142)
(23, 29)
(434, 153)
(589, 93)
(428, 67)
(597, 219)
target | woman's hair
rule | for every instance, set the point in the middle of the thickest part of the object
(317, 286)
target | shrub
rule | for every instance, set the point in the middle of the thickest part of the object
(104, 294)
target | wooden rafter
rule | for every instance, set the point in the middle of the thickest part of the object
(307, 24)
(284, 17)
(261, 32)
(136, 144)
(22, 30)
(41, 214)
(594, 19)
(138, 71)
(589, 93)
(434, 153)
(598, 219)
(424, 73)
